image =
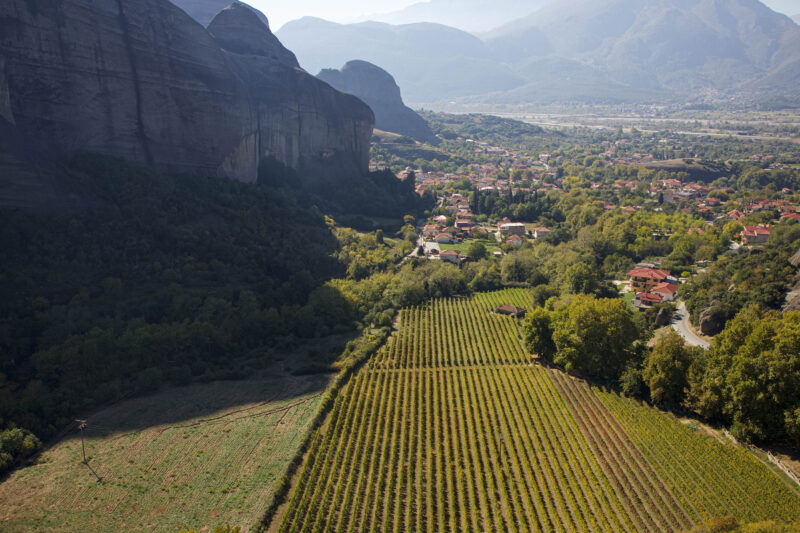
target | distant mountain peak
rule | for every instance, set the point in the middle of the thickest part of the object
(467, 15)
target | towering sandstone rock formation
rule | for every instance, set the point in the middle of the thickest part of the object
(140, 79)
(378, 89)
(300, 120)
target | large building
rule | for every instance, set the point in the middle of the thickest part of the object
(512, 228)
(644, 279)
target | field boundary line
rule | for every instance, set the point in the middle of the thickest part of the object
(770, 457)
(283, 488)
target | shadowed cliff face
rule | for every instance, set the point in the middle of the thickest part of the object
(140, 79)
(302, 121)
(136, 79)
(378, 89)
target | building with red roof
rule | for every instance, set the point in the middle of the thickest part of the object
(755, 234)
(644, 279)
(667, 291)
(644, 300)
(451, 256)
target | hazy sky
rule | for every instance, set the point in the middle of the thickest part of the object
(280, 12)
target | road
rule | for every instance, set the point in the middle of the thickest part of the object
(684, 329)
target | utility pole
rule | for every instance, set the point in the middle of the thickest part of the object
(81, 427)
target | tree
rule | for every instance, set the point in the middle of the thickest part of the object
(476, 251)
(752, 376)
(594, 337)
(666, 370)
(538, 333)
(16, 444)
(732, 230)
(631, 382)
(581, 278)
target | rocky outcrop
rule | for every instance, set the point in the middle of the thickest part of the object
(302, 121)
(140, 79)
(713, 319)
(204, 11)
(378, 89)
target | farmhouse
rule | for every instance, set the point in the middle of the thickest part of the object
(540, 233)
(644, 279)
(646, 300)
(432, 230)
(755, 234)
(736, 215)
(511, 310)
(512, 228)
(516, 240)
(446, 238)
(667, 291)
(451, 256)
(463, 223)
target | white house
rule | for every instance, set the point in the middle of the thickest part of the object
(512, 228)
(516, 240)
(667, 291)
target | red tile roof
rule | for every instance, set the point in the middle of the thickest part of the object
(649, 273)
(665, 288)
(753, 231)
(650, 298)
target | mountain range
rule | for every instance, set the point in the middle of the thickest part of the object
(468, 15)
(596, 51)
(429, 61)
(796, 18)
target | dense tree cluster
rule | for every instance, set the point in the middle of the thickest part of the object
(16, 445)
(585, 335)
(171, 279)
(750, 378)
(747, 276)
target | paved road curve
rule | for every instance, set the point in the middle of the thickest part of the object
(682, 327)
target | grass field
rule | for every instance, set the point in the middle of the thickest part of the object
(464, 247)
(453, 427)
(204, 455)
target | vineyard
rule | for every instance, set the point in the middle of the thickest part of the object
(453, 427)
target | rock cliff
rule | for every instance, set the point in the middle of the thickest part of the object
(140, 79)
(301, 120)
(378, 89)
(204, 11)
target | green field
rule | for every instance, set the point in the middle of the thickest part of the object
(464, 247)
(630, 297)
(452, 426)
(204, 455)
